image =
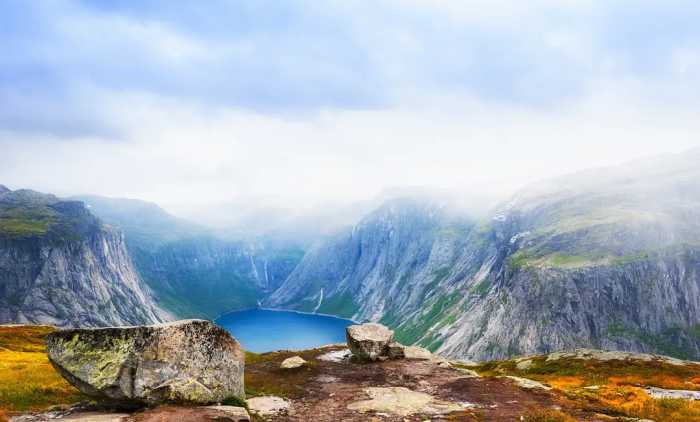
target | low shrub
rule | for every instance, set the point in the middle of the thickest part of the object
(547, 415)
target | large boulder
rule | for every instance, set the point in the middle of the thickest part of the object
(191, 361)
(369, 341)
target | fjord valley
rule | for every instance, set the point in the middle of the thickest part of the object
(604, 259)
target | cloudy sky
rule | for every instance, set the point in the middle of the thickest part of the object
(191, 103)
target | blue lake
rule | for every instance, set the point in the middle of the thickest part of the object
(261, 330)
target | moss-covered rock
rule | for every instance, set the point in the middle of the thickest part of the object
(192, 361)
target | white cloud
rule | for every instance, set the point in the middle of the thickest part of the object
(341, 100)
(187, 156)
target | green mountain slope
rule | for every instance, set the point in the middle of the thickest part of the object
(191, 271)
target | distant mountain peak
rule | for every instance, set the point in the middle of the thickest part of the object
(4, 189)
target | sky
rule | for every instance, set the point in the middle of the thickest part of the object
(302, 103)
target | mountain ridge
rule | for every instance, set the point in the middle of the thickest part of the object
(60, 265)
(533, 276)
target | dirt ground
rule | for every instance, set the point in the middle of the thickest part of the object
(324, 390)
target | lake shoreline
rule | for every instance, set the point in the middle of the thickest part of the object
(283, 310)
(263, 330)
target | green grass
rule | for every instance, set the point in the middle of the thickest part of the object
(341, 305)
(197, 292)
(481, 288)
(235, 401)
(263, 375)
(16, 221)
(415, 329)
(673, 341)
(20, 228)
(518, 260)
(27, 379)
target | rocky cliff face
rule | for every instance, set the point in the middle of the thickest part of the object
(59, 265)
(605, 259)
(385, 265)
(206, 276)
(191, 270)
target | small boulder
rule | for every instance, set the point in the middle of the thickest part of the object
(369, 342)
(192, 361)
(233, 413)
(395, 350)
(417, 353)
(524, 365)
(528, 384)
(293, 362)
(338, 356)
(268, 405)
(399, 351)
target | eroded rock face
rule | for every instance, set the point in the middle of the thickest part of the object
(192, 361)
(369, 341)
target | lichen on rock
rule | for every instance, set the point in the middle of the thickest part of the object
(190, 361)
(369, 341)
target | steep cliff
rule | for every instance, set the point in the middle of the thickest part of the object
(608, 258)
(605, 259)
(193, 271)
(60, 265)
(206, 276)
(385, 265)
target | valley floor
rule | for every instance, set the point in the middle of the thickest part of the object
(583, 386)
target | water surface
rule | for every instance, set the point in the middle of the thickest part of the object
(260, 330)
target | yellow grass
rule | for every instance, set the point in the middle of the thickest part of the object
(635, 402)
(615, 388)
(27, 379)
(547, 415)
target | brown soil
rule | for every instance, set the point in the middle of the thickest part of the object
(323, 391)
(181, 414)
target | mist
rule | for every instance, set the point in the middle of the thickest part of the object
(319, 108)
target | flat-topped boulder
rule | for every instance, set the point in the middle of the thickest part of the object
(293, 363)
(190, 361)
(369, 341)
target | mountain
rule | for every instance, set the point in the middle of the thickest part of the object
(206, 276)
(385, 265)
(60, 265)
(608, 258)
(146, 224)
(193, 271)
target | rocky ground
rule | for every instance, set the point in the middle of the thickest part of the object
(331, 387)
(326, 384)
(395, 390)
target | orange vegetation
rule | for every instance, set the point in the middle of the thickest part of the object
(613, 387)
(27, 379)
(564, 382)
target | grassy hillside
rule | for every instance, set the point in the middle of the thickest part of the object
(25, 213)
(615, 387)
(27, 379)
(192, 272)
(611, 385)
